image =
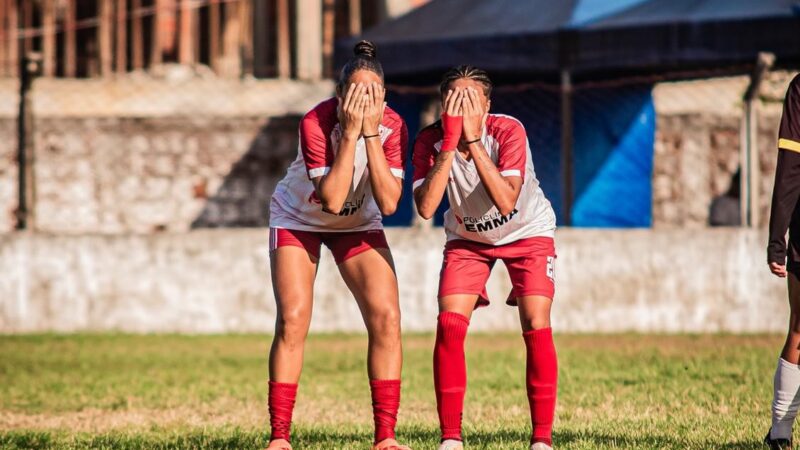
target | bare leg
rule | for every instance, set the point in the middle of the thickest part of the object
(371, 278)
(534, 312)
(293, 273)
(463, 304)
(791, 349)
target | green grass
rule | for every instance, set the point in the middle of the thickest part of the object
(179, 392)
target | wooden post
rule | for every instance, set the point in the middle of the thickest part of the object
(186, 33)
(750, 205)
(355, 16)
(13, 38)
(155, 45)
(284, 40)
(48, 38)
(137, 46)
(69, 39)
(122, 36)
(29, 68)
(231, 56)
(213, 34)
(246, 36)
(104, 30)
(566, 147)
(328, 35)
(27, 24)
(4, 26)
(309, 40)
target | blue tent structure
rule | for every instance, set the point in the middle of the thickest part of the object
(562, 50)
(589, 37)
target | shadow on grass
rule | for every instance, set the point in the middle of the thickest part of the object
(234, 438)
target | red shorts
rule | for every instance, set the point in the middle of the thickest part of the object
(343, 245)
(467, 265)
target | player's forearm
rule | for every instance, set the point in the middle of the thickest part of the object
(334, 187)
(502, 193)
(429, 194)
(386, 187)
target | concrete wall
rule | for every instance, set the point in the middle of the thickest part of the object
(212, 281)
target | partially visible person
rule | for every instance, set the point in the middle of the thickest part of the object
(784, 262)
(725, 209)
(348, 172)
(497, 213)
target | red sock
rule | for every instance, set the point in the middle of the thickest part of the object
(281, 405)
(385, 402)
(542, 380)
(450, 372)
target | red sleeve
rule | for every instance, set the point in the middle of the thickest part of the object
(315, 145)
(396, 146)
(424, 155)
(513, 152)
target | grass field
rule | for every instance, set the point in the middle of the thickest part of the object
(177, 392)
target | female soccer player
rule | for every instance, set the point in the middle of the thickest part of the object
(348, 172)
(497, 211)
(784, 261)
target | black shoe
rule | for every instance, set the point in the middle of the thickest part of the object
(777, 444)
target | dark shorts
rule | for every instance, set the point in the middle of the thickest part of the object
(344, 245)
(530, 263)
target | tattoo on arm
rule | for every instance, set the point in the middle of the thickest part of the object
(486, 162)
(438, 167)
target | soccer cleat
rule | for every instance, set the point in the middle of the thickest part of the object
(777, 444)
(451, 444)
(540, 446)
(279, 444)
(389, 444)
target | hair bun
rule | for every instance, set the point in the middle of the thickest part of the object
(366, 49)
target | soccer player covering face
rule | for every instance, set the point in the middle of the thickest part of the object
(784, 261)
(348, 172)
(497, 212)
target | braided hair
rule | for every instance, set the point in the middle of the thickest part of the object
(364, 58)
(469, 72)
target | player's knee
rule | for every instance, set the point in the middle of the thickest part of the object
(293, 324)
(386, 321)
(536, 322)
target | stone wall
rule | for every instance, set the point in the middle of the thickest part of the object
(213, 281)
(138, 154)
(112, 175)
(697, 145)
(8, 175)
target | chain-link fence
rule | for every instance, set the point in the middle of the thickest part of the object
(148, 115)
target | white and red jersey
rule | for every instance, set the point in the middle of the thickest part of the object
(295, 204)
(472, 214)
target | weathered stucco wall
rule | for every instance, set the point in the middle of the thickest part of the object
(212, 281)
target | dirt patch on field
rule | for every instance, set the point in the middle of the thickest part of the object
(244, 415)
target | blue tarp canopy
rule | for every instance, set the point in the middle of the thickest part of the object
(597, 38)
(609, 151)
